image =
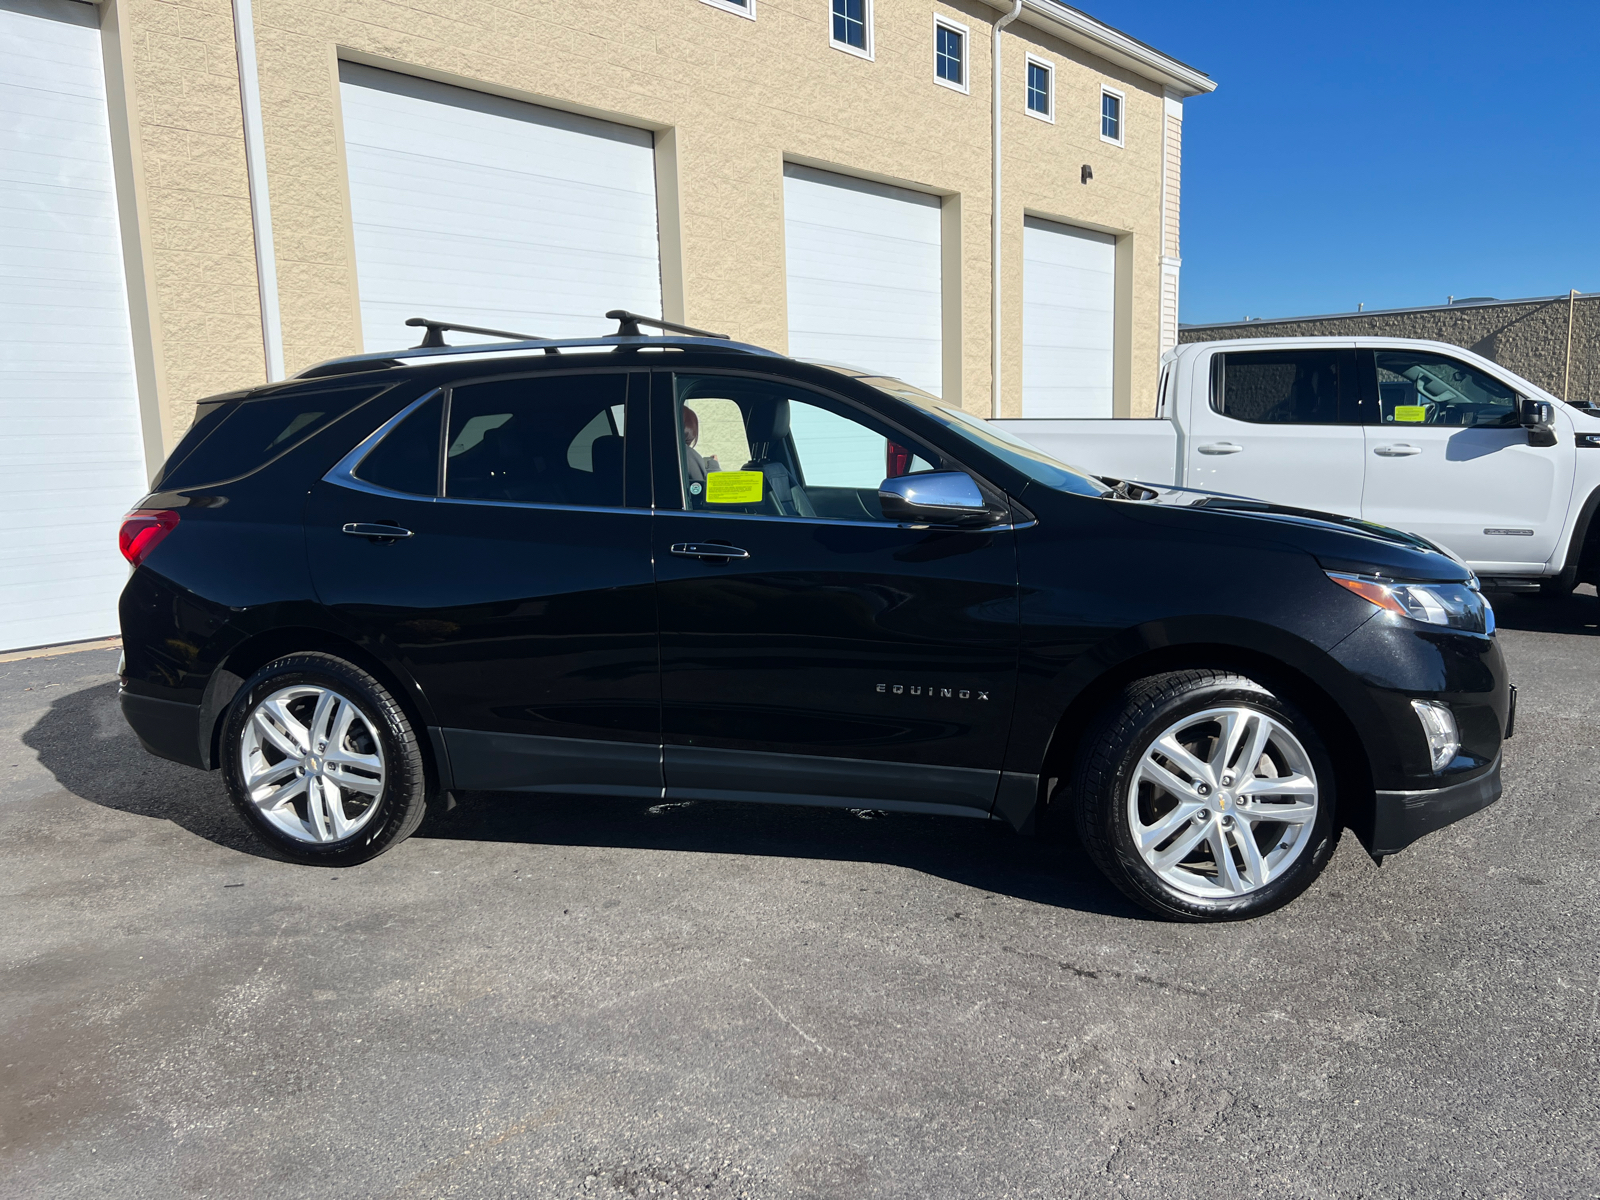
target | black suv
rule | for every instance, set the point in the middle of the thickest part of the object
(677, 567)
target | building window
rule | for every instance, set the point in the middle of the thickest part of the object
(852, 26)
(950, 54)
(1111, 116)
(1041, 89)
(745, 8)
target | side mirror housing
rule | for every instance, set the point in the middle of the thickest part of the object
(1537, 418)
(1538, 414)
(935, 498)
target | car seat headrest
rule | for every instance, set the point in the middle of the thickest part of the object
(769, 422)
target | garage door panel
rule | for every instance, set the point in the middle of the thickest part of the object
(71, 453)
(1069, 320)
(492, 212)
(864, 271)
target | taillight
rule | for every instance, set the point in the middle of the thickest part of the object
(142, 531)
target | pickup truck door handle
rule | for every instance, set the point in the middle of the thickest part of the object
(1400, 451)
(1220, 448)
(717, 550)
(382, 533)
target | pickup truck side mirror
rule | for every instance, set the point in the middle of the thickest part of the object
(1537, 418)
(935, 498)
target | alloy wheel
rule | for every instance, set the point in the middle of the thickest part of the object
(1222, 802)
(312, 763)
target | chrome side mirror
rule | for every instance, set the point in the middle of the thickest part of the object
(935, 498)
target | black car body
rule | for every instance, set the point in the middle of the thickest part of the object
(578, 629)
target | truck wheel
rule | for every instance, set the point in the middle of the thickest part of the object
(1558, 586)
(1204, 797)
(322, 762)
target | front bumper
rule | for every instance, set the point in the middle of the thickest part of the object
(1403, 817)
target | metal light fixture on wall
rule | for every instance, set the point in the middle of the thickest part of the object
(1088, 173)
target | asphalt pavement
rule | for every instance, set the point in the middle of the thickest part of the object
(602, 998)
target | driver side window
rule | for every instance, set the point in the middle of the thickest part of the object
(1428, 389)
(763, 447)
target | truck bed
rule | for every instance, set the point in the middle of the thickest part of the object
(1141, 450)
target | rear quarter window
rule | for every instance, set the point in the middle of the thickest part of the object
(233, 437)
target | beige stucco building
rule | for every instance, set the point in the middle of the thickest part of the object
(277, 181)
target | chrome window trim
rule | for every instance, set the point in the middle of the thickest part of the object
(343, 471)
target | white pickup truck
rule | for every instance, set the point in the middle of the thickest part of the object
(1421, 436)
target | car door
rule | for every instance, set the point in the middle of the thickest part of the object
(1280, 425)
(812, 651)
(1447, 457)
(516, 587)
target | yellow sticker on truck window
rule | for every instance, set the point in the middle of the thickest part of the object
(733, 487)
(1410, 412)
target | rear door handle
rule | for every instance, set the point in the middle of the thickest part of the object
(1400, 451)
(708, 550)
(386, 533)
(1220, 448)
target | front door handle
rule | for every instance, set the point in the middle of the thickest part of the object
(1220, 448)
(1400, 451)
(382, 533)
(718, 550)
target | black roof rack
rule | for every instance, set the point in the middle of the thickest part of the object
(434, 338)
(628, 325)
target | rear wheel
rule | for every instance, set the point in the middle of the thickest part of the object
(1205, 797)
(322, 762)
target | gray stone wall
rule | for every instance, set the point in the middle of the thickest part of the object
(1525, 336)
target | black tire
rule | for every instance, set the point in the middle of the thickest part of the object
(1106, 770)
(1558, 587)
(396, 811)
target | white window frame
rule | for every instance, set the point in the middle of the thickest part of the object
(866, 20)
(965, 86)
(1122, 116)
(1050, 69)
(746, 10)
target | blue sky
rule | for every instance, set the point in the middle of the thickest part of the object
(1386, 153)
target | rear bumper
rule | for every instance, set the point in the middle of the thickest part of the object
(166, 728)
(1403, 817)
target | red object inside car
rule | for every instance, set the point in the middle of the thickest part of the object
(142, 531)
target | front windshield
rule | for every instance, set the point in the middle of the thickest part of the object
(1012, 450)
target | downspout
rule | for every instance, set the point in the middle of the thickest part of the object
(255, 158)
(996, 216)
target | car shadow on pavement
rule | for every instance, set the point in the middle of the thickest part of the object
(1576, 613)
(83, 741)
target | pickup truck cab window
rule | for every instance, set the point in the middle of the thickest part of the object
(1284, 387)
(1419, 388)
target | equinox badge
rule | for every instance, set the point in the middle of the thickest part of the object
(942, 693)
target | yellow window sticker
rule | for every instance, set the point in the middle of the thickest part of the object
(1410, 412)
(733, 487)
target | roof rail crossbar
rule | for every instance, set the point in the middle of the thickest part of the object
(628, 325)
(434, 338)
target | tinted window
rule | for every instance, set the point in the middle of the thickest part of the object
(407, 459)
(549, 440)
(762, 446)
(1427, 389)
(1280, 387)
(248, 434)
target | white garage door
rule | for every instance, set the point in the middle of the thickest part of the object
(863, 266)
(71, 456)
(487, 211)
(1069, 288)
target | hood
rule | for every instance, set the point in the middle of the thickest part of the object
(1337, 543)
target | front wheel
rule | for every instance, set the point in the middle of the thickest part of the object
(322, 762)
(1205, 797)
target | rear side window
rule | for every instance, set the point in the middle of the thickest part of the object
(544, 440)
(1279, 387)
(241, 436)
(407, 458)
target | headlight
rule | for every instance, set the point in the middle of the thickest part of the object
(1453, 605)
